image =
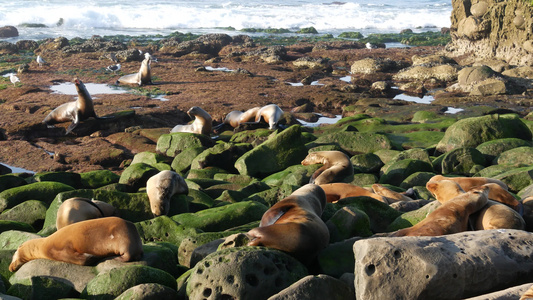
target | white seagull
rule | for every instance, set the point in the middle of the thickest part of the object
(14, 79)
(370, 46)
(40, 61)
(114, 68)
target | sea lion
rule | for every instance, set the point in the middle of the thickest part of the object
(294, 225)
(340, 190)
(528, 212)
(83, 243)
(467, 183)
(161, 187)
(202, 124)
(495, 215)
(144, 76)
(451, 217)
(271, 114)
(391, 195)
(233, 118)
(528, 295)
(79, 209)
(336, 166)
(75, 111)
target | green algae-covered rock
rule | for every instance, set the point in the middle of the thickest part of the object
(207, 173)
(189, 244)
(31, 212)
(379, 213)
(416, 179)
(10, 181)
(174, 143)
(494, 170)
(136, 175)
(354, 142)
(43, 287)
(517, 156)
(471, 132)
(460, 161)
(423, 116)
(411, 218)
(293, 175)
(386, 155)
(223, 217)
(366, 163)
(243, 193)
(42, 191)
(363, 179)
(149, 291)
(68, 178)
(12, 239)
(222, 155)
(111, 284)
(182, 162)
(149, 158)
(244, 273)
(198, 200)
(280, 151)
(517, 179)
(348, 222)
(98, 178)
(164, 229)
(161, 257)
(416, 153)
(235, 178)
(492, 149)
(5, 260)
(395, 173)
(254, 137)
(337, 258)
(273, 195)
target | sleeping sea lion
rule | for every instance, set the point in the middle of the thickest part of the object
(202, 124)
(161, 187)
(467, 183)
(79, 209)
(294, 225)
(271, 113)
(83, 243)
(144, 76)
(336, 166)
(74, 111)
(340, 190)
(391, 195)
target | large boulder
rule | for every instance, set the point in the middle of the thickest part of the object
(43, 191)
(8, 31)
(173, 144)
(354, 142)
(445, 73)
(316, 287)
(149, 291)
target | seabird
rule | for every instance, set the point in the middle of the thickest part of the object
(370, 46)
(40, 61)
(114, 68)
(14, 79)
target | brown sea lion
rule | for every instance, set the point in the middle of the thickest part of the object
(451, 217)
(233, 118)
(202, 124)
(444, 190)
(336, 166)
(528, 212)
(83, 243)
(74, 111)
(271, 114)
(467, 183)
(528, 295)
(161, 187)
(391, 195)
(294, 225)
(495, 215)
(144, 76)
(340, 190)
(79, 209)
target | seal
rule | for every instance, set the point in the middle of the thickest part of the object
(202, 124)
(143, 77)
(391, 195)
(451, 217)
(79, 209)
(336, 166)
(340, 190)
(294, 225)
(271, 114)
(74, 111)
(84, 243)
(161, 187)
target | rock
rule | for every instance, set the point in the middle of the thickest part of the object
(182, 162)
(348, 222)
(4, 170)
(69, 178)
(280, 151)
(379, 213)
(471, 75)
(479, 9)
(209, 44)
(297, 175)
(244, 273)
(338, 258)
(187, 256)
(356, 142)
(271, 196)
(222, 155)
(396, 172)
(517, 179)
(445, 73)
(8, 31)
(492, 149)
(528, 46)
(471, 132)
(373, 65)
(473, 28)
(43, 287)
(461, 161)
(8, 48)
(432, 60)
(98, 178)
(407, 206)
(413, 217)
(10, 181)
(514, 292)
(316, 287)
(164, 229)
(106, 286)
(136, 175)
(381, 86)
(43, 191)
(449, 267)
(128, 55)
(6, 225)
(157, 255)
(27, 45)
(366, 163)
(52, 45)
(493, 86)
(517, 156)
(149, 158)
(31, 212)
(311, 63)
(149, 291)
(223, 217)
(416, 179)
(174, 143)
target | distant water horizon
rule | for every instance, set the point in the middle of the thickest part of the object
(161, 17)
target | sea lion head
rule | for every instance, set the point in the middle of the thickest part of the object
(444, 190)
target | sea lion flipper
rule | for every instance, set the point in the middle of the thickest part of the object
(73, 125)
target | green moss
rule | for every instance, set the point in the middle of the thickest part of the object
(351, 35)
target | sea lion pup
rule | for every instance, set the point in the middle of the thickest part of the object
(161, 187)
(294, 225)
(79, 209)
(340, 190)
(84, 243)
(271, 113)
(144, 76)
(451, 217)
(74, 111)
(202, 124)
(336, 166)
(391, 195)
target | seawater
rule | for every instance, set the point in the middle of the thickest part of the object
(133, 17)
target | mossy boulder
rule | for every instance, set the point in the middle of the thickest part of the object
(494, 170)
(348, 222)
(366, 163)
(207, 173)
(223, 217)
(42, 191)
(189, 244)
(254, 137)
(160, 256)
(43, 287)
(174, 143)
(182, 161)
(222, 155)
(492, 149)
(411, 218)
(31, 212)
(10, 181)
(280, 151)
(164, 229)
(364, 179)
(136, 175)
(423, 116)
(293, 175)
(150, 158)
(461, 161)
(471, 132)
(98, 178)
(11, 240)
(416, 179)
(338, 258)
(272, 196)
(6, 225)
(68, 178)
(395, 173)
(517, 179)
(416, 153)
(517, 156)
(148, 291)
(380, 214)
(111, 284)
(353, 142)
